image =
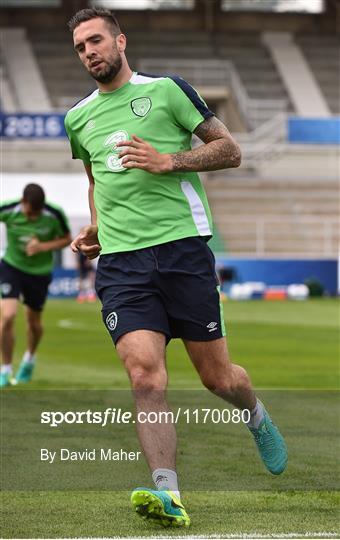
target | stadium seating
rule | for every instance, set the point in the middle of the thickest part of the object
(65, 79)
(253, 63)
(7, 101)
(67, 82)
(238, 61)
(276, 217)
(278, 213)
(323, 55)
(19, 57)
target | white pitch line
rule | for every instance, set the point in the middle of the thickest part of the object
(69, 324)
(250, 536)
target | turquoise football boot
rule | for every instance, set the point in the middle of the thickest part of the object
(163, 507)
(25, 371)
(5, 379)
(271, 445)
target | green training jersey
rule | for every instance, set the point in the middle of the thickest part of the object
(52, 223)
(137, 209)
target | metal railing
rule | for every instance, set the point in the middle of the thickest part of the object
(213, 72)
(284, 236)
(265, 142)
(146, 4)
(276, 6)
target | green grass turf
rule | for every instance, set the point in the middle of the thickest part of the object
(283, 345)
(60, 515)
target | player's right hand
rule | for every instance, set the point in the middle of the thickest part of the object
(87, 242)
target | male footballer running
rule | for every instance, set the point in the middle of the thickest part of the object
(35, 229)
(150, 224)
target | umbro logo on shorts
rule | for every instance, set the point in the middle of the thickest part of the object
(212, 326)
(111, 321)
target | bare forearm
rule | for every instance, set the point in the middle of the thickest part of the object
(213, 156)
(58, 243)
(219, 151)
(92, 206)
(93, 211)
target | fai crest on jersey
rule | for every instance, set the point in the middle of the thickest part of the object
(141, 106)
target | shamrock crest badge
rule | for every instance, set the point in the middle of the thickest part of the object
(141, 106)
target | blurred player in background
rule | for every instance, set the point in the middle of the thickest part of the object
(35, 229)
(156, 274)
(87, 277)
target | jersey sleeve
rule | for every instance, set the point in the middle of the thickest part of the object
(188, 107)
(78, 151)
(62, 225)
(6, 209)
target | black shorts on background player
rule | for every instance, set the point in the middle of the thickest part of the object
(15, 283)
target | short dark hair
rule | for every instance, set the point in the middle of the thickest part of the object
(35, 196)
(93, 13)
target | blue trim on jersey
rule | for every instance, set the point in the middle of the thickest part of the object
(82, 99)
(59, 216)
(151, 75)
(54, 211)
(189, 91)
(9, 206)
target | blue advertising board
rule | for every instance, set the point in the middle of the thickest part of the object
(275, 272)
(32, 126)
(65, 283)
(314, 130)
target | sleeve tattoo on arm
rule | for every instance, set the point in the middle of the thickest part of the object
(219, 151)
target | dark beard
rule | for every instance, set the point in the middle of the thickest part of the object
(107, 75)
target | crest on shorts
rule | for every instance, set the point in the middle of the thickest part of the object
(111, 320)
(141, 106)
(5, 288)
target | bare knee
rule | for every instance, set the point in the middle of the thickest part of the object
(35, 325)
(143, 355)
(7, 321)
(221, 386)
(146, 372)
(227, 384)
(147, 378)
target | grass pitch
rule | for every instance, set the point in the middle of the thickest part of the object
(289, 348)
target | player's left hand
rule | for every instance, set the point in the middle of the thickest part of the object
(139, 154)
(33, 247)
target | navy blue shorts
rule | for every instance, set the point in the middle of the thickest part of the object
(33, 288)
(170, 288)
